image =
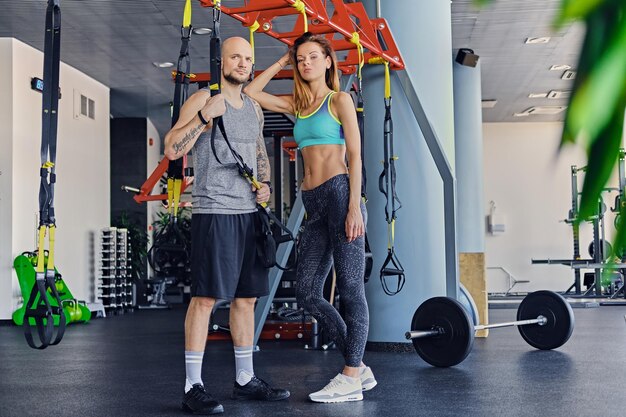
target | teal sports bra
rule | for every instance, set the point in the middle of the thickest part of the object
(320, 127)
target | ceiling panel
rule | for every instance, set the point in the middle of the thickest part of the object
(116, 41)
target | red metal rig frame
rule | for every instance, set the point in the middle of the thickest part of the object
(346, 19)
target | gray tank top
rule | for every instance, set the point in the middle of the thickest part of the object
(219, 189)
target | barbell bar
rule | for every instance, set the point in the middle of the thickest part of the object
(443, 333)
(541, 320)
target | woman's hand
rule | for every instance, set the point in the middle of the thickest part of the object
(354, 224)
(284, 60)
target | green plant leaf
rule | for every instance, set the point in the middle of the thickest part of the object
(576, 10)
(592, 49)
(601, 161)
(593, 104)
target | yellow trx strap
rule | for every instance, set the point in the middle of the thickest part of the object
(387, 82)
(355, 40)
(301, 7)
(187, 14)
(253, 28)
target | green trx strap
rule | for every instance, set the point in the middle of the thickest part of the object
(387, 185)
(38, 306)
(218, 123)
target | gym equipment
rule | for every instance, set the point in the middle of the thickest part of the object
(37, 305)
(443, 334)
(607, 250)
(74, 311)
(391, 266)
(465, 298)
(374, 34)
(600, 260)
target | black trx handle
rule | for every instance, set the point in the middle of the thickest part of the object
(38, 306)
(387, 185)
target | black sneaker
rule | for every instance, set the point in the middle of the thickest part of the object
(257, 389)
(198, 401)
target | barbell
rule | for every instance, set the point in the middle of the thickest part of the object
(443, 332)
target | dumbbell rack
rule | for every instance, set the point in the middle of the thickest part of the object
(113, 284)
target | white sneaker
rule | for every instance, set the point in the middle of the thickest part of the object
(367, 378)
(340, 389)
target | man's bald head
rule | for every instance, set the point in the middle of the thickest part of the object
(236, 60)
(238, 44)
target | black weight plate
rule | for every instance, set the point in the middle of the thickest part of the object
(553, 307)
(457, 339)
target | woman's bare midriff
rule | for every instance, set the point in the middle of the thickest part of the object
(321, 163)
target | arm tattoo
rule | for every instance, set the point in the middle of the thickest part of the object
(179, 147)
(262, 161)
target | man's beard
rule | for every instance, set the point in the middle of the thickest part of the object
(231, 79)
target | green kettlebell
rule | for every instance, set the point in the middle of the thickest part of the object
(78, 313)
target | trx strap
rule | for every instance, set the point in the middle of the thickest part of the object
(175, 173)
(253, 28)
(38, 306)
(360, 116)
(170, 249)
(301, 7)
(244, 170)
(387, 184)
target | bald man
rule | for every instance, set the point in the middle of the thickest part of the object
(223, 253)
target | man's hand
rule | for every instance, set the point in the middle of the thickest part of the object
(213, 107)
(262, 194)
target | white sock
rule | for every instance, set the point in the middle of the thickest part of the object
(350, 379)
(243, 364)
(193, 368)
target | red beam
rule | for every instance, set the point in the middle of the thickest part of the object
(342, 22)
(153, 179)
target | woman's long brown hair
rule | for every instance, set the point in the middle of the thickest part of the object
(302, 95)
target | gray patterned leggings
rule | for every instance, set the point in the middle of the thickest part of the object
(322, 242)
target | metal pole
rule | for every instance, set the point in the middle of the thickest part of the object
(575, 227)
(416, 334)
(540, 320)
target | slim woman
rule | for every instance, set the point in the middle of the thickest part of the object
(326, 131)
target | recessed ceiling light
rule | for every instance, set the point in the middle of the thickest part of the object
(538, 95)
(561, 67)
(163, 64)
(543, 39)
(488, 104)
(556, 94)
(544, 110)
(568, 75)
(202, 31)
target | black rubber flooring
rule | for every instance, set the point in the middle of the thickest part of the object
(133, 365)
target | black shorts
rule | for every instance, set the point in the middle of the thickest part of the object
(224, 263)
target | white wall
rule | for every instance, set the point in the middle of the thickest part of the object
(530, 184)
(153, 146)
(82, 200)
(6, 166)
